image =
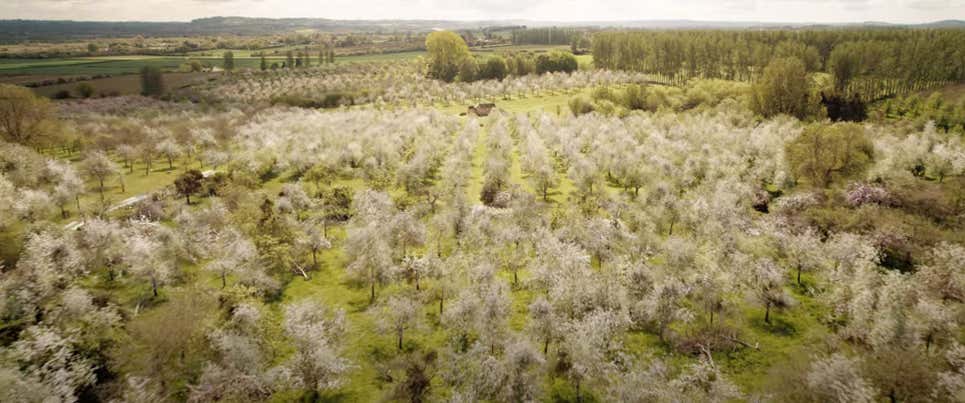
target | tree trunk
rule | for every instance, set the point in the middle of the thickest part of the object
(798, 274)
(767, 313)
(315, 259)
(440, 305)
(224, 279)
(372, 292)
(187, 198)
(546, 345)
(400, 338)
(154, 285)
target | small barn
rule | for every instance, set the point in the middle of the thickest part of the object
(481, 109)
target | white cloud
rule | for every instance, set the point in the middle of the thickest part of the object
(546, 10)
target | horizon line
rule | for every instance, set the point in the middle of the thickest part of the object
(491, 20)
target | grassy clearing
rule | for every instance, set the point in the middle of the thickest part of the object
(11, 240)
(550, 102)
(136, 183)
(952, 93)
(520, 48)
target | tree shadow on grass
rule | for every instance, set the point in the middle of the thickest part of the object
(327, 397)
(778, 326)
(360, 305)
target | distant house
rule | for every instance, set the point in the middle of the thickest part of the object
(481, 109)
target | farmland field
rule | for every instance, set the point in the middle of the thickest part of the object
(126, 84)
(130, 65)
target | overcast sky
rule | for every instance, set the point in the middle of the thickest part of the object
(908, 11)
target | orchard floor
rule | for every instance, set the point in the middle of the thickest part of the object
(367, 345)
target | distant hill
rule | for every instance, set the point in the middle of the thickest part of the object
(51, 30)
(944, 24)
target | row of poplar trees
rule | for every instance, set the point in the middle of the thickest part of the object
(870, 63)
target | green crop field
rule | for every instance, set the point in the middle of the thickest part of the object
(126, 84)
(86, 66)
(128, 64)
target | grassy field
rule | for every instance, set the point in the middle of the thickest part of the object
(132, 64)
(551, 102)
(136, 182)
(244, 58)
(87, 65)
(127, 84)
(518, 48)
(123, 69)
(952, 93)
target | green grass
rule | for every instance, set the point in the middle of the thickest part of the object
(952, 93)
(519, 48)
(244, 58)
(11, 240)
(89, 65)
(381, 57)
(547, 101)
(136, 183)
(127, 84)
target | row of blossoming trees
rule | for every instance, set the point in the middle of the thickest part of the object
(401, 83)
(413, 255)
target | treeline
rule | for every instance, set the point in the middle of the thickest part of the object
(870, 64)
(620, 101)
(546, 36)
(946, 115)
(449, 59)
(498, 67)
